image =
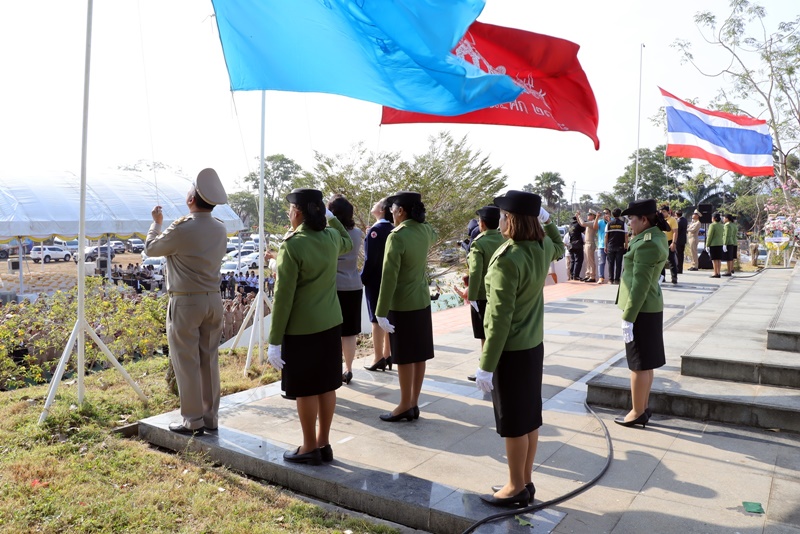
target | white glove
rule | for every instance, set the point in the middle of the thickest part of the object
(274, 357)
(543, 215)
(627, 331)
(329, 214)
(483, 380)
(384, 323)
(474, 304)
(724, 248)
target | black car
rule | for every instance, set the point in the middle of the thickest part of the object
(134, 244)
(92, 253)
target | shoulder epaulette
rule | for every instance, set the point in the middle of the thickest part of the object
(180, 220)
(288, 235)
(503, 248)
(478, 237)
(648, 236)
(397, 228)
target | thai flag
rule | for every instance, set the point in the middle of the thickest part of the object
(730, 142)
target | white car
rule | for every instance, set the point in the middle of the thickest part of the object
(233, 267)
(158, 263)
(251, 260)
(50, 253)
(118, 246)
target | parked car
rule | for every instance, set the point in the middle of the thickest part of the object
(251, 260)
(158, 263)
(134, 244)
(50, 253)
(92, 253)
(3, 251)
(118, 246)
(233, 267)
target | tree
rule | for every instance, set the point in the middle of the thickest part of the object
(585, 203)
(245, 205)
(550, 186)
(280, 176)
(658, 176)
(761, 70)
(701, 189)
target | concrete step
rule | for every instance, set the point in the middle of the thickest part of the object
(723, 401)
(783, 333)
(770, 367)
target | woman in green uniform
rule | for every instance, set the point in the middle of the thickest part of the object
(404, 302)
(715, 241)
(512, 357)
(730, 241)
(305, 335)
(642, 304)
(481, 251)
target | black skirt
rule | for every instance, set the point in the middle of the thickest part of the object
(477, 319)
(646, 351)
(412, 341)
(716, 252)
(517, 393)
(350, 302)
(313, 363)
(731, 254)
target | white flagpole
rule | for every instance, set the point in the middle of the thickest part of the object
(638, 127)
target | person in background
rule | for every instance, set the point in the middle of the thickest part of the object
(715, 241)
(348, 283)
(374, 246)
(680, 240)
(671, 239)
(731, 241)
(616, 243)
(589, 245)
(305, 334)
(512, 358)
(194, 246)
(642, 304)
(270, 284)
(404, 301)
(601, 240)
(692, 235)
(575, 234)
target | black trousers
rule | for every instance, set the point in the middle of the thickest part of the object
(575, 263)
(679, 250)
(614, 264)
(672, 261)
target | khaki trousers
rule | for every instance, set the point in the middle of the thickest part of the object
(194, 327)
(693, 249)
(589, 257)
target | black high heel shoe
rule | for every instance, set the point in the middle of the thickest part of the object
(641, 420)
(347, 377)
(389, 363)
(408, 415)
(379, 366)
(517, 501)
(416, 412)
(529, 486)
(649, 412)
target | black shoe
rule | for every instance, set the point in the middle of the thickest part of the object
(648, 412)
(727, 274)
(408, 415)
(590, 281)
(529, 486)
(311, 458)
(347, 377)
(389, 362)
(379, 366)
(674, 281)
(472, 378)
(288, 397)
(692, 268)
(641, 420)
(416, 412)
(211, 429)
(714, 276)
(178, 428)
(517, 501)
(326, 452)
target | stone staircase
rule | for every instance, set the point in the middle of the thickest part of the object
(734, 358)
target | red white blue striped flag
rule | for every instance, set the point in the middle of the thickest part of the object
(730, 142)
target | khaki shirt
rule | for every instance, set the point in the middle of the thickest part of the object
(480, 252)
(639, 289)
(693, 230)
(514, 318)
(404, 278)
(716, 235)
(305, 299)
(194, 246)
(730, 233)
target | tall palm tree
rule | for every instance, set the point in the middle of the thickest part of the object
(550, 186)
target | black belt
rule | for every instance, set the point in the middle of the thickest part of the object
(182, 293)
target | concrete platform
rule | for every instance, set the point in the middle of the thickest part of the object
(783, 332)
(677, 475)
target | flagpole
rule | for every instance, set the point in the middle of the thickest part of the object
(638, 126)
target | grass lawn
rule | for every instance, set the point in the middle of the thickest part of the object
(73, 474)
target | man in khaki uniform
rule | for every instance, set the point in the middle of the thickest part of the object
(590, 245)
(194, 246)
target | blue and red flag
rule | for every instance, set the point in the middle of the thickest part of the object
(392, 52)
(730, 142)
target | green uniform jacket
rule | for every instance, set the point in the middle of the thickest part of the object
(730, 234)
(639, 289)
(305, 291)
(716, 235)
(514, 318)
(404, 281)
(480, 252)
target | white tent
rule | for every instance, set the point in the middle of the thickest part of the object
(43, 205)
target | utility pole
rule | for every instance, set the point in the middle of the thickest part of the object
(572, 198)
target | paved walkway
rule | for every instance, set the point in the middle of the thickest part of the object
(677, 475)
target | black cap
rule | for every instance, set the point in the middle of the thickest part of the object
(304, 195)
(520, 203)
(404, 198)
(489, 213)
(645, 206)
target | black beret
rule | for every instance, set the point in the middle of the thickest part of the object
(645, 206)
(489, 213)
(404, 198)
(520, 203)
(303, 195)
